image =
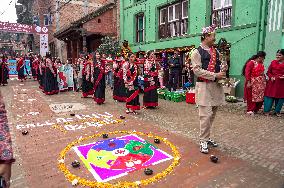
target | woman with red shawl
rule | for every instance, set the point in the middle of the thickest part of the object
(255, 83)
(34, 67)
(87, 84)
(50, 79)
(99, 79)
(21, 69)
(130, 76)
(275, 86)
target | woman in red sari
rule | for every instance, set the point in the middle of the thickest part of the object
(4, 71)
(99, 79)
(130, 76)
(275, 86)
(35, 65)
(255, 83)
(119, 90)
(21, 69)
(87, 74)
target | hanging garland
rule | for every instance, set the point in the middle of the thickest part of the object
(75, 180)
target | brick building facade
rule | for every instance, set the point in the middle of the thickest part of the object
(99, 17)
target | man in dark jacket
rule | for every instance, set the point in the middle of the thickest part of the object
(175, 67)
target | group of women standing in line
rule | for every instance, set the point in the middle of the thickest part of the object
(260, 90)
(125, 87)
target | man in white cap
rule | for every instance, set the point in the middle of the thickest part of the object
(209, 94)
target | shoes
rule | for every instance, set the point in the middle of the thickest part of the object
(278, 115)
(212, 143)
(251, 113)
(204, 147)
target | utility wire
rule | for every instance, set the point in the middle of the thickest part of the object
(6, 8)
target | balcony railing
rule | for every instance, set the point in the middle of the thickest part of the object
(222, 18)
(173, 29)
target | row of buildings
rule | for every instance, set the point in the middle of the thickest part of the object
(77, 26)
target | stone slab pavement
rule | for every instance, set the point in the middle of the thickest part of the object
(251, 152)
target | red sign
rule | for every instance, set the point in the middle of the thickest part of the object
(22, 28)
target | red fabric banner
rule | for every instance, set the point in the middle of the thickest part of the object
(22, 28)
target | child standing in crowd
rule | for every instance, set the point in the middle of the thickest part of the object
(80, 66)
(109, 73)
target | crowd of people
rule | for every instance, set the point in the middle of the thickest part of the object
(261, 90)
(92, 73)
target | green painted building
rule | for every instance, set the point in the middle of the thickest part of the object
(248, 26)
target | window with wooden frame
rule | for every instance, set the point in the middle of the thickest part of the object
(140, 28)
(221, 13)
(173, 20)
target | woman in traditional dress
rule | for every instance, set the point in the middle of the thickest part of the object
(99, 79)
(255, 83)
(274, 92)
(50, 80)
(150, 99)
(130, 76)
(119, 90)
(35, 65)
(41, 72)
(87, 84)
(4, 71)
(21, 69)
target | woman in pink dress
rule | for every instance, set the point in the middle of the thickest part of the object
(274, 92)
(255, 83)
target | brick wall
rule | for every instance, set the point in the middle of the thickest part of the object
(102, 24)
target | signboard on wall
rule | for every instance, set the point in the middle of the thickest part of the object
(43, 44)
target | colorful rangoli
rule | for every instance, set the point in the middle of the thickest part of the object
(116, 157)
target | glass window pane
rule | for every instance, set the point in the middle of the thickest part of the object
(217, 4)
(163, 14)
(185, 9)
(177, 11)
(140, 22)
(171, 14)
(140, 36)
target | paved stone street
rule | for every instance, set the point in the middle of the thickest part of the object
(251, 148)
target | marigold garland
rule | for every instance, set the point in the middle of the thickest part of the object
(81, 181)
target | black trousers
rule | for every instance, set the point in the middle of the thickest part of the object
(173, 80)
